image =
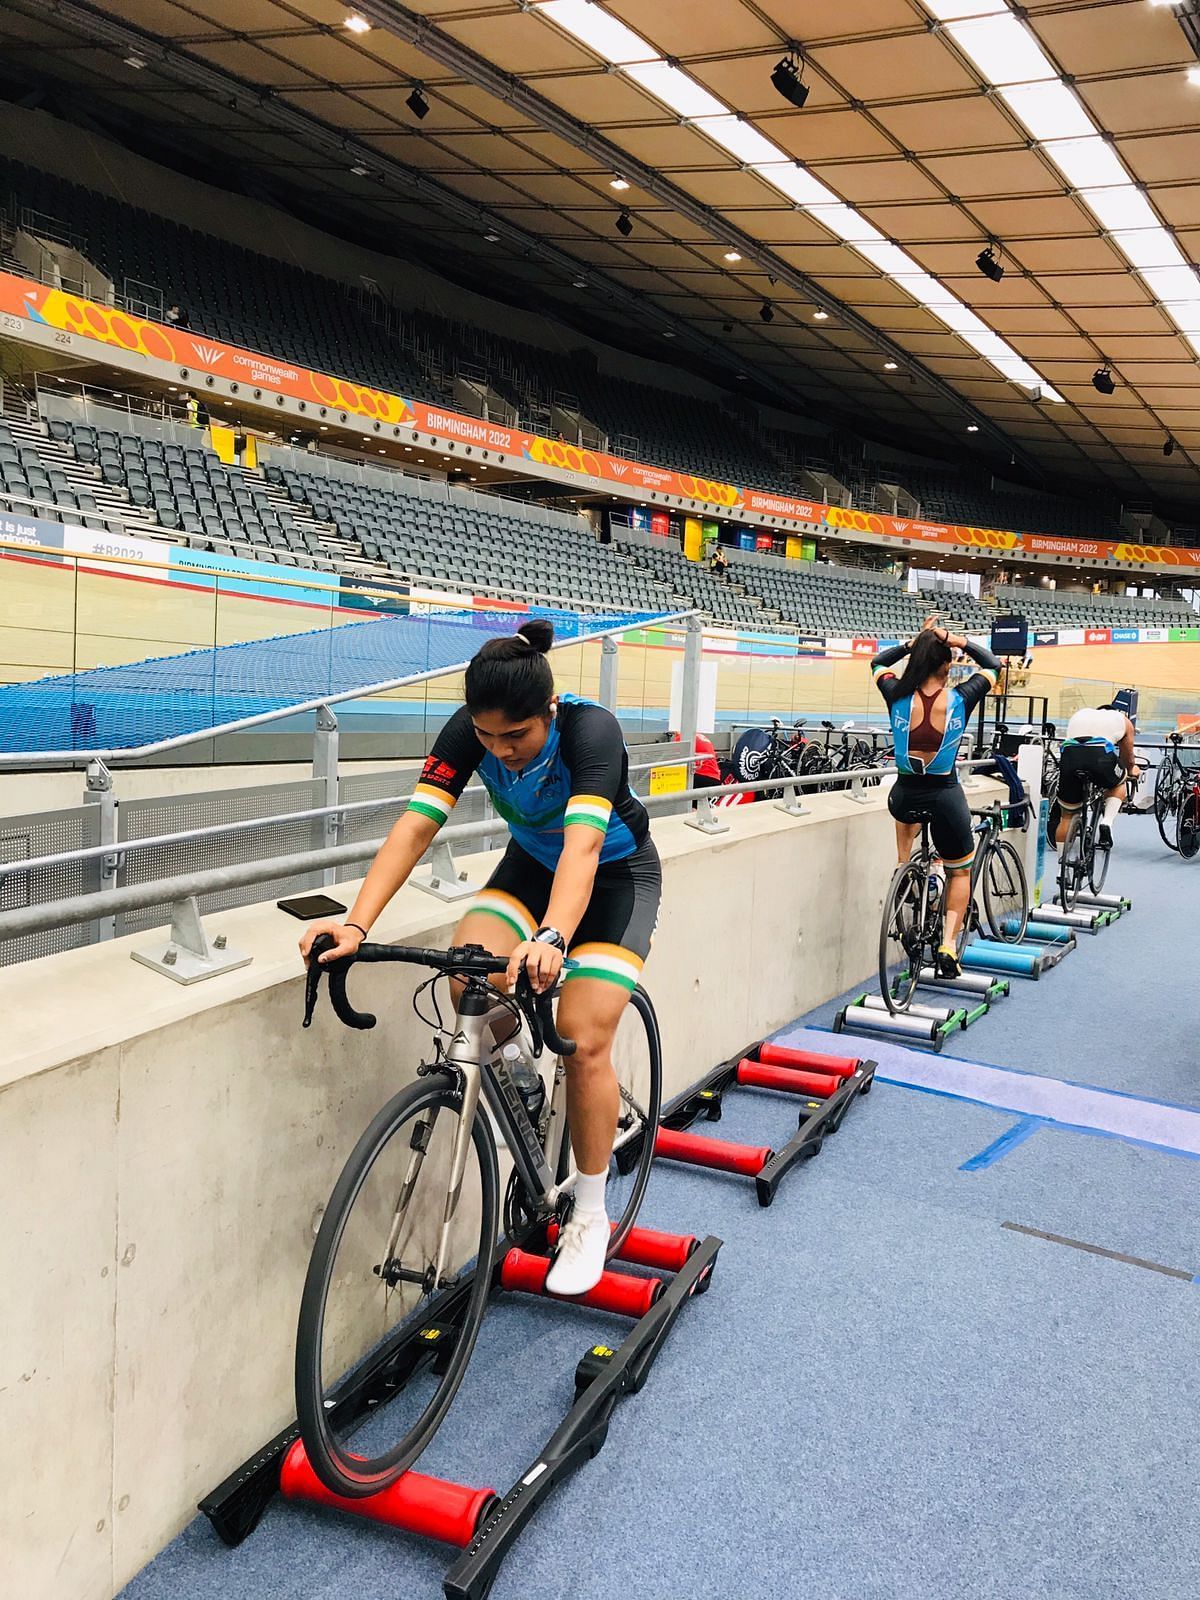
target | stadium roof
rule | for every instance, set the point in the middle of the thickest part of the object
(1067, 133)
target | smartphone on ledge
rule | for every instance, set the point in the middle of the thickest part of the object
(308, 907)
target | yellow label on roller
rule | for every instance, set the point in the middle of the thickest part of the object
(602, 1350)
(430, 1333)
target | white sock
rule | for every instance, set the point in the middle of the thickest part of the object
(589, 1191)
(1112, 809)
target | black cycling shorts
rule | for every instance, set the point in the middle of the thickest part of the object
(1084, 763)
(613, 938)
(912, 798)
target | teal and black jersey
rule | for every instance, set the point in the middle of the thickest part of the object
(960, 702)
(580, 777)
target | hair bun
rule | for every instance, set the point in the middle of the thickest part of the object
(537, 632)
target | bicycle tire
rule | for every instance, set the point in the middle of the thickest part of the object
(905, 948)
(641, 1003)
(1098, 857)
(1070, 868)
(1006, 922)
(342, 1472)
(1168, 793)
(1189, 826)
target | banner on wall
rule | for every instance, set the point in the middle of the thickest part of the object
(1124, 635)
(1153, 635)
(30, 531)
(1050, 636)
(262, 580)
(80, 322)
(865, 647)
(1184, 635)
(809, 644)
(1097, 636)
(1070, 636)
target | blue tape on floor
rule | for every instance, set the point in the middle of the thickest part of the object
(1009, 1140)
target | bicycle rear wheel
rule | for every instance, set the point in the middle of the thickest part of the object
(1005, 893)
(1189, 826)
(370, 1283)
(1168, 789)
(1070, 863)
(902, 935)
(1097, 855)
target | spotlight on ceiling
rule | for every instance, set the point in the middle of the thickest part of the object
(418, 104)
(820, 316)
(972, 427)
(767, 311)
(727, 327)
(1169, 447)
(491, 237)
(624, 224)
(732, 255)
(619, 184)
(357, 24)
(1102, 380)
(988, 265)
(786, 77)
(359, 170)
(579, 283)
(890, 366)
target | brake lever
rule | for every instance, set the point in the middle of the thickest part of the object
(527, 1000)
(314, 973)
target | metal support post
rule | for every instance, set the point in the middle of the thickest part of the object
(609, 666)
(325, 771)
(441, 877)
(1035, 844)
(188, 957)
(689, 705)
(98, 791)
(705, 818)
(791, 803)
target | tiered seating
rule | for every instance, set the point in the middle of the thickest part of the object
(25, 475)
(695, 584)
(1047, 609)
(945, 496)
(468, 538)
(958, 609)
(833, 601)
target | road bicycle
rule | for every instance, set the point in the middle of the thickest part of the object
(410, 1231)
(911, 929)
(1171, 784)
(1082, 858)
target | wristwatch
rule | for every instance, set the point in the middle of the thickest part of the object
(550, 936)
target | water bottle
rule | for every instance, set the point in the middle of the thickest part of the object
(526, 1080)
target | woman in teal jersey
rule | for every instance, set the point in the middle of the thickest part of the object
(580, 876)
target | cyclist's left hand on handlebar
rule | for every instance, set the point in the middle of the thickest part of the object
(542, 963)
(347, 940)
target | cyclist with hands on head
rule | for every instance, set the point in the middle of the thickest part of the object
(929, 718)
(580, 876)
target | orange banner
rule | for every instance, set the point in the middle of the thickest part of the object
(23, 303)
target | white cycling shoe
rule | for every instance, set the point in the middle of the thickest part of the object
(581, 1254)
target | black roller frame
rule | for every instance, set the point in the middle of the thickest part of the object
(236, 1506)
(704, 1100)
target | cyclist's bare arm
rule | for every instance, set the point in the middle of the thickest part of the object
(1126, 750)
(399, 853)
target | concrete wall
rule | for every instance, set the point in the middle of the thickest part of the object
(167, 1151)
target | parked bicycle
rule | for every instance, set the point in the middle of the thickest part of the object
(911, 930)
(1171, 783)
(411, 1226)
(1188, 840)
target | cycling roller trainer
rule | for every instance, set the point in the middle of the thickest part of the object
(580, 876)
(929, 718)
(1098, 745)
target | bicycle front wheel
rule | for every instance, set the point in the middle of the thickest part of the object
(370, 1288)
(637, 1059)
(1189, 826)
(1167, 794)
(1097, 855)
(901, 935)
(1005, 893)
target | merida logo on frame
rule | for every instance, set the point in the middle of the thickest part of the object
(210, 354)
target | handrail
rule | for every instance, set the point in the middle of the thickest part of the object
(76, 909)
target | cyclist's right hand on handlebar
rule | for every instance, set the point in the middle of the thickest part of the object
(347, 940)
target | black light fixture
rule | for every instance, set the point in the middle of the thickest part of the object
(726, 327)
(418, 104)
(624, 224)
(1169, 447)
(988, 265)
(767, 311)
(786, 78)
(1102, 380)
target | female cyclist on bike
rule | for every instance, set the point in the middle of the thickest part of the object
(928, 720)
(580, 876)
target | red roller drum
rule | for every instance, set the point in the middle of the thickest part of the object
(645, 1247)
(617, 1291)
(778, 1055)
(697, 1151)
(755, 1076)
(431, 1507)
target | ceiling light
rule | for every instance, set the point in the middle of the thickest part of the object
(732, 255)
(668, 333)
(925, 289)
(1149, 247)
(491, 237)
(889, 258)
(787, 78)
(1102, 380)
(624, 224)
(135, 62)
(1086, 163)
(766, 311)
(890, 366)
(794, 181)
(1193, 77)
(1120, 207)
(1049, 110)
(988, 265)
(418, 104)
(598, 29)
(357, 24)
(1185, 314)
(972, 427)
(820, 316)
(1171, 283)
(989, 345)
(1003, 49)
(741, 140)
(579, 283)
(359, 170)
(618, 183)
(846, 224)
(324, 427)
(679, 92)
(1169, 447)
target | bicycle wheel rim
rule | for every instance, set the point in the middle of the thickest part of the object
(900, 946)
(1005, 893)
(342, 1470)
(1189, 827)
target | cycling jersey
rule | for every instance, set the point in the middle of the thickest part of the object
(581, 776)
(1096, 726)
(961, 700)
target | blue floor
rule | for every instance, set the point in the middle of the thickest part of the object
(886, 1395)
